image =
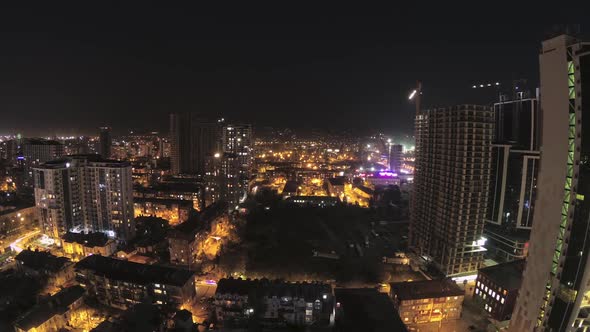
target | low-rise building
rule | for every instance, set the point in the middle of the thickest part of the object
(366, 309)
(59, 271)
(187, 191)
(175, 211)
(496, 288)
(14, 220)
(315, 201)
(336, 186)
(273, 303)
(52, 314)
(122, 284)
(183, 240)
(79, 245)
(427, 301)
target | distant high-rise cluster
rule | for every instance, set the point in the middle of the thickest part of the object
(85, 193)
(26, 153)
(219, 152)
(453, 147)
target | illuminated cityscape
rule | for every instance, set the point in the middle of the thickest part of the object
(172, 169)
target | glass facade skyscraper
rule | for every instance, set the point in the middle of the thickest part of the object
(515, 166)
(555, 293)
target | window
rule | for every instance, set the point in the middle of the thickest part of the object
(502, 300)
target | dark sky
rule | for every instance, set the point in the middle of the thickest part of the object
(69, 70)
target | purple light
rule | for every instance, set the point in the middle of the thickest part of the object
(20, 158)
(210, 282)
(387, 174)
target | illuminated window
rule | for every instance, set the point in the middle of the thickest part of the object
(456, 297)
(477, 291)
(498, 297)
(502, 300)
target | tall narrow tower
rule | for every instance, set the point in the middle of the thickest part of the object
(106, 142)
(555, 293)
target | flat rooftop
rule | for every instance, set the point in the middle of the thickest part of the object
(507, 275)
(425, 289)
(365, 309)
(95, 239)
(41, 260)
(134, 272)
(56, 305)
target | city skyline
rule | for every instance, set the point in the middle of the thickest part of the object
(179, 168)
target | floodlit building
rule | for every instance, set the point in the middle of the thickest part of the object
(85, 193)
(122, 284)
(80, 245)
(427, 301)
(175, 211)
(555, 292)
(451, 186)
(497, 287)
(184, 239)
(14, 220)
(58, 271)
(336, 186)
(52, 314)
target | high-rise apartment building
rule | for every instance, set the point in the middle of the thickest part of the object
(85, 193)
(396, 155)
(515, 167)
(26, 153)
(555, 293)
(451, 186)
(105, 142)
(193, 140)
(236, 162)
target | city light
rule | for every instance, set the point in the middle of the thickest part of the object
(412, 94)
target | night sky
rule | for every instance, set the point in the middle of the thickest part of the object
(69, 70)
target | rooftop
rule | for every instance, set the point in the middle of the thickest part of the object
(189, 228)
(134, 272)
(425, 289)
(506, 275)
(166, 201)
(40, 141)
(56, 305)
(96, 239)
(95, 158)
(309, 291)
(290, 187)
(338, 181)
(41, 260)
(365, 309)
